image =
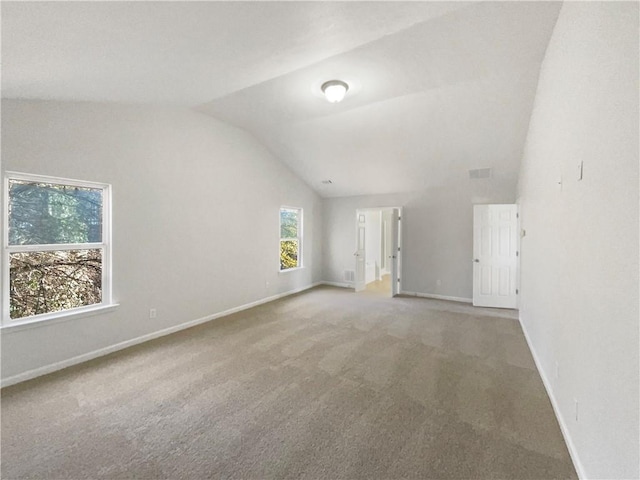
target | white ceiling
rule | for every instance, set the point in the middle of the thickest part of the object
(437, 88)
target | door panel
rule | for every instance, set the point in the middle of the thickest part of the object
(495, 256)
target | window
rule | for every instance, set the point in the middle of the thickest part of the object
(290, 238)
(57, 249)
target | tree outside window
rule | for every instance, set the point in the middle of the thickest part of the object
(57, 251)
(290, 238)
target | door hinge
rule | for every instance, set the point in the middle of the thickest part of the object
(399, 218)
(517, 215)
(398, 279)
(517, 291)
(517, 254)
(398, 248)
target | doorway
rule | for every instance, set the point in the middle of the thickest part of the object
(378, 251)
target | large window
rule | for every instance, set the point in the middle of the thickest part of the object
(57, 249)
(290, 238)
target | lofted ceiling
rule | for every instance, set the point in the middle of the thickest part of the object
(436, 88)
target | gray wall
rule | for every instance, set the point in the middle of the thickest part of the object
(437, 234)
(195, 217)
(579, 281)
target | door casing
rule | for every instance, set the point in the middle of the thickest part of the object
(396, 248)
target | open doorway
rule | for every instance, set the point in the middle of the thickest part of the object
(378, 251)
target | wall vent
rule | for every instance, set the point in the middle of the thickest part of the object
(480, 173)
(349, 276)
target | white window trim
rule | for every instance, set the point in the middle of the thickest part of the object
(288, 270)
(298, 238)
(107, 303)
(56, 317)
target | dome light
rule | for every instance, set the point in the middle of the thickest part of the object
(334, 90)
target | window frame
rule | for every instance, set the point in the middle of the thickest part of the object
(298, 238)
(8, 249)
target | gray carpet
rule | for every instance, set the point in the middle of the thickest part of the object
(326, 384)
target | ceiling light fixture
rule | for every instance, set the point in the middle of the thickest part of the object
(334, 90)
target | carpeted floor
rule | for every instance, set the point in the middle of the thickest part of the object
(326, 384)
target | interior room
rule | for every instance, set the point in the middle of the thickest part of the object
(382, 248)
(320, 240)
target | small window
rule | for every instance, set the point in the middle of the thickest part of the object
(57, 246)
(290, 238)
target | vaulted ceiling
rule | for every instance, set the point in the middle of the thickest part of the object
(436, 88)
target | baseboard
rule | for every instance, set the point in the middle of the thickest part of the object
(575, 458)
(37, 372)
(337, 284)
(437, 297)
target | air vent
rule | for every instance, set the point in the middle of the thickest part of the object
(349, 276)
(480, 173)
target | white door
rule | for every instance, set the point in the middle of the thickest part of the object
(495, 255)
(395, 251)
(360, 281)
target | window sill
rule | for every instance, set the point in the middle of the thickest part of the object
(291, 270)
(57, 317)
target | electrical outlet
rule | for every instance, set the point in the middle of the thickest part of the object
(152, 313)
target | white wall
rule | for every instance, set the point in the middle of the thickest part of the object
(579, 285)
(437, 234)
(195, 217)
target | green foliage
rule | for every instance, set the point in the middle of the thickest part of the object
(288, 254)
(289, 224)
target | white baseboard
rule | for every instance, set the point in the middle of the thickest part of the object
(413, 294)
(337, 284)
(437, 297)
(37, 372)
(563, 426)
